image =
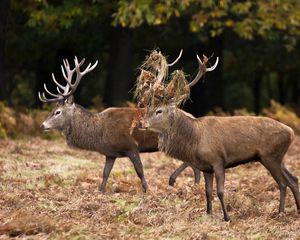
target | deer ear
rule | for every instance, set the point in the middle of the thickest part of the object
(69, 100)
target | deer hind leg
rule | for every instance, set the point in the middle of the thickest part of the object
(172, 179)
(109, 163)
(220, 178)
(197, 175)
(292, 182)
(275, 169)
(209, 179)
(138, 166)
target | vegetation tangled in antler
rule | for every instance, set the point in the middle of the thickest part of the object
(177, 90)
(153, 87)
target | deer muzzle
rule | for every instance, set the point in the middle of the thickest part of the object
(142, 124)
(44, 127)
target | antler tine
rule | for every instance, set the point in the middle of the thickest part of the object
(90, 68)
(81, 62)
(86, 69)
(43, 98)
(67, 90)
(54, 80)
(199, 59)
(67, 74)
(63, 72)
(40, 97)
(66, 77)
(81, 74)
(202, 69)
(50, 93)
(176, 60)
(77, 64)
(214, 66)
(59, 91)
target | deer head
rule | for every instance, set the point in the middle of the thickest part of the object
(63, 110)
(154, 71)
(161, 110)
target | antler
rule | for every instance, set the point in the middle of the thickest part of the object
(65, 91)
(176, 60)
(152, 90)
(202, 69)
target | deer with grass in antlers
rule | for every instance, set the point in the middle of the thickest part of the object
(107, 132)
(212, 144)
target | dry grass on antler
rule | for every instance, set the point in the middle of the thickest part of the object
(177, 90)
(143, 87)
(151, 87)
(157, 64)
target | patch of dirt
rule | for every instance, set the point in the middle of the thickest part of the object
(50, 191)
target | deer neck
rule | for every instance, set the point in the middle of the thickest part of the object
(181, 136)
(81, 129)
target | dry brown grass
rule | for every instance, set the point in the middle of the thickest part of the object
(49, 191)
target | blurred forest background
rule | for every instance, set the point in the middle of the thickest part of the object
(257, 42)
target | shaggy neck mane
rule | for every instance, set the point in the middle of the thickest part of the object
(81, 130)
(178, 140)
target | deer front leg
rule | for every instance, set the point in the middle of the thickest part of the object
(209, 179)
(172, 179)
(109, 163)
(138, 166)
(220, 178)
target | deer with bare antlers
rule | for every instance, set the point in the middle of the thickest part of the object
(107, 132)
(212, 144)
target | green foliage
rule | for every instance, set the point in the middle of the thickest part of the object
(134, 13)
(56, 15)
(2, 132)
(254, 36)
(247, 19)
(15, 124)
(22, 94)
(276, 111)
(283, 114)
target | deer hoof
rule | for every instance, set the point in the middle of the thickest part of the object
(172, 182)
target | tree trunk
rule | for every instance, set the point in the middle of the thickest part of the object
(282, 88)
(4, 10)
(257, 91)
(120, 76)
(295, 86)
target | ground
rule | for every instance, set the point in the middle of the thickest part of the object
(49, 191)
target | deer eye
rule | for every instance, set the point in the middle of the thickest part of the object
(158, 112)
(57, 112)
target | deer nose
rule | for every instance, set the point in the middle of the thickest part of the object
(139, 125)
(146, 124)
(44, 127)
